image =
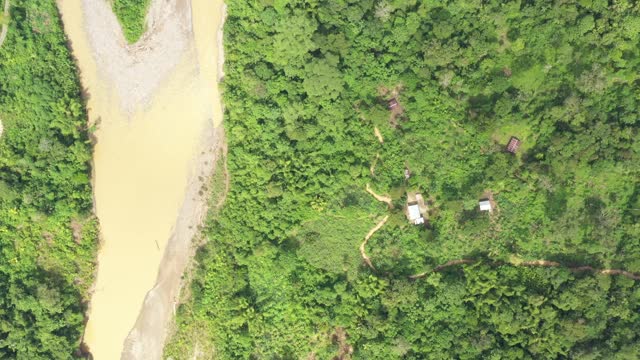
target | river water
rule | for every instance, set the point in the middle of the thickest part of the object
(142, 163)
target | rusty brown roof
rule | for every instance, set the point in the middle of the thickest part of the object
(513, 145)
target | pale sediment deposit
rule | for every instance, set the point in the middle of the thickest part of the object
(158, 115)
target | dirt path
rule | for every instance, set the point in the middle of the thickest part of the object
(442, 267)
(378, 134)
(5, 27)
(363, 253)
(383, 198)
(533, 263)
(158, 113)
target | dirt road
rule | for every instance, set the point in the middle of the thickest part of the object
(158, 113)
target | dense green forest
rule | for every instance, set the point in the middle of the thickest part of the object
(306, 83)
(131, 15)
(48, 236)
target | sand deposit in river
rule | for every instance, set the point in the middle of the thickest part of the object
(154, 107)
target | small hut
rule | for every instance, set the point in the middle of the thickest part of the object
(392, 103)
(513, 145)
(407, 173)
(417, 211)
(485, 205)
(413, 213)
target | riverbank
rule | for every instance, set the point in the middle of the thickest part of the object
(5, 26)
(158, 114)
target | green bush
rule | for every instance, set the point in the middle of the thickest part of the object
(132, 15)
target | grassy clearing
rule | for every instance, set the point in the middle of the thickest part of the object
(519, 129)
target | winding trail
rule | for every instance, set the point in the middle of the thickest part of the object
(383, 198)
(157, 110)
(442, 267)
(363, 253)
(5, 27)
(533, 263)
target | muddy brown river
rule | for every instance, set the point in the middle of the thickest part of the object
(144, 162)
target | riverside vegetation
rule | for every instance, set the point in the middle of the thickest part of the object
(48, 236)
(305, 84)
(131, 15)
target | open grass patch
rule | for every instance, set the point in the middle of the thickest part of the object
(520, 129)
(331, 242)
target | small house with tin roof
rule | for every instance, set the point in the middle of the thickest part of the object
(414, 215)
(485, 205)
(513, 145)
(393, 103)
(417, 211)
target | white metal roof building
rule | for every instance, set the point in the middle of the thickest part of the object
(414, 214)
(485, 205)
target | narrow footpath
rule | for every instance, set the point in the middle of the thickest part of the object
(532, 263)
(363, 251)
